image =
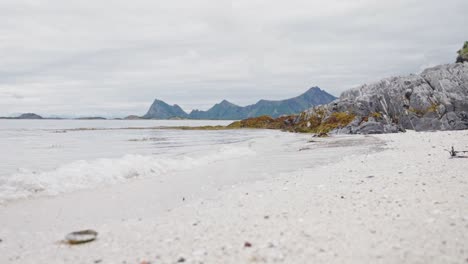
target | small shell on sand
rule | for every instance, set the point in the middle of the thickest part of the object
(80, 237)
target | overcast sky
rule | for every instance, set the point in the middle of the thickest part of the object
(112, 58)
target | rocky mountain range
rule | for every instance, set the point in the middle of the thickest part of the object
(226, 110)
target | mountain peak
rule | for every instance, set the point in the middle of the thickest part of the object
(314, 89)
(161, 110)
(225, 102)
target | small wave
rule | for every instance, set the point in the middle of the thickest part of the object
(88, 174)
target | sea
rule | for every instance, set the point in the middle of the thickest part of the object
(50, 157)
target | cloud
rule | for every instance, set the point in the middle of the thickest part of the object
(111, 57)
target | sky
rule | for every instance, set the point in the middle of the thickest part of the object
(112, 58)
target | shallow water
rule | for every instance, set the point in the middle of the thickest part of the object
(55, 156)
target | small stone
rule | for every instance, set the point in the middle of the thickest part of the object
(342, 197)
(80, 237)
(247, 244)
(99, 261)
(181, 259)
(265, 217)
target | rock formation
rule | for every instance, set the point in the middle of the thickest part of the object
(436, 99)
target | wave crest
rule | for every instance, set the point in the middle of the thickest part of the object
(83, 174)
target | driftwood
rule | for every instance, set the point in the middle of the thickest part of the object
(454, 153)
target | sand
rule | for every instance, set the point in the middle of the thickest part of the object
(396, 198)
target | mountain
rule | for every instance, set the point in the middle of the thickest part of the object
(314, 96)
(224, 110)
(229, 111)
(161, 110)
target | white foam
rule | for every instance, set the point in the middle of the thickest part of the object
(88, 174)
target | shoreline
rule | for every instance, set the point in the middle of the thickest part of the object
(383, 199)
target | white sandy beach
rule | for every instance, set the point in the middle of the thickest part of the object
(396, 198)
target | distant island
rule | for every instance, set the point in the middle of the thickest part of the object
(226, 110)
(36, 116)
(25, 116)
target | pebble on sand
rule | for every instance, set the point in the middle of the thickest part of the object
(80, 237)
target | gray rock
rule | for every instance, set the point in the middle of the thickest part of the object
(436, 99)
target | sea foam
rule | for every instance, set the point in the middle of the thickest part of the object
(83, 174)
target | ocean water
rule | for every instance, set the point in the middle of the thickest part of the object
(49, 157)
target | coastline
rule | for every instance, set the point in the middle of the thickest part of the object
(345, 199)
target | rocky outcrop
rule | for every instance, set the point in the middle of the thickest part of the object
(436, 99)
